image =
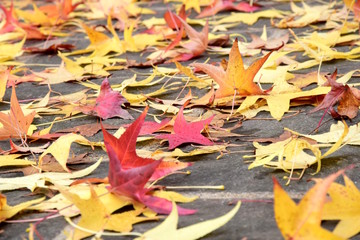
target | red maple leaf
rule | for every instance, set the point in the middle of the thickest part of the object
(128, 173)
(185, 132)
(151, 127)
(197, 44)
(108, 104)
(172, 21)
(227, 5)
(11, 23)
(347, 97)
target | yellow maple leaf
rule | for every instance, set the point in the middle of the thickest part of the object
(168, 228)
(60, 149)
(303, 220)
(195, 4)
(292, 153)
(7, 211)
(306, 15)
(344, 206)
(96, 217)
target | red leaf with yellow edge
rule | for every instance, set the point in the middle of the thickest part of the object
(185, 132)
(15, 123)
(128, 173)
(236, 80)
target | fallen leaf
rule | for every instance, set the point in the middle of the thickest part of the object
(249, 18)
(306, 15)
(189, 4)
(168, 228)
(39, 149)
(11, 160)
(12, 23)
(266, 43)
(185, 132)
(227, 5)
(187, 71)
(172, 21)
(178, 153)
(348, 98)
(52, 49)
(87, 130)
(4, 77)
(295, 152)
(235, 80)
(7, 211)
(96, 217)
(60, 10)
(303, 220)
(60, 149)
(197, 44)
(304, 80)
(100, 43)
(41, 179)
(57, 75)
(335, 132)
(353, 5)
(343, 206)
(15, 124)
(151, 127)
(128, 173)
(50, 164)
(108, 104)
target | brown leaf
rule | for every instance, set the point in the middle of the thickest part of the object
(87, 130)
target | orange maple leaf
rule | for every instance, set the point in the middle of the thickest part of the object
(60, 10)
(236, 80)
(15, 123)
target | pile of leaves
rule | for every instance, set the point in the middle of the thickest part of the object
(194, 102)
